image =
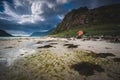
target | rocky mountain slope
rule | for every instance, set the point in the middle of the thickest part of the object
(104, 20)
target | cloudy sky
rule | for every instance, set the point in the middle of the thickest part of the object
(23, 17)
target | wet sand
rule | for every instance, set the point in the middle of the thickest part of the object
(14, 51)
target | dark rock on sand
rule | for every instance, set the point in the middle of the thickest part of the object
(71, 45)
(39, 42)
(67, 44)
(87, 69)
(46, 46)
(104, 55)
(9, 47)
(116, 59)
(53, 43)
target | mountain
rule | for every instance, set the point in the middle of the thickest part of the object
(104, 20)
(4, 34)
(42, 33)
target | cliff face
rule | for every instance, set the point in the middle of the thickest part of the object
(4, 34)
(86, 18)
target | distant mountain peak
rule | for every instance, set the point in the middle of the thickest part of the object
(4, 34)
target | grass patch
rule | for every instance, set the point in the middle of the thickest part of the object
(50, 66)
(102, 29)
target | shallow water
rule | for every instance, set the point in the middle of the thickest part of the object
(9, 55)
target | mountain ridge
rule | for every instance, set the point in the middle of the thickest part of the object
(83, 17)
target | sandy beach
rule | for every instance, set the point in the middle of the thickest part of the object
(17, 53)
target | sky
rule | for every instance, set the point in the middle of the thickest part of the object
(23, 17)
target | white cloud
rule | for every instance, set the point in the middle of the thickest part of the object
(17, 3)
(18, 33)
(9, 10)
(30, 19)
(62, 1)
(43, 30)
(32, 11)
(60, 17)
(35, 8)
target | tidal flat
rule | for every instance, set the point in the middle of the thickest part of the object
(59, 59)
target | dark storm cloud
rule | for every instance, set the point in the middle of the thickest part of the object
(92, 3)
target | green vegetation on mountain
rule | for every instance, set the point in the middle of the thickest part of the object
(99, 21)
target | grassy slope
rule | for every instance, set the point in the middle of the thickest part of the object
(101, 21)
(103, 29)
(49, 66)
